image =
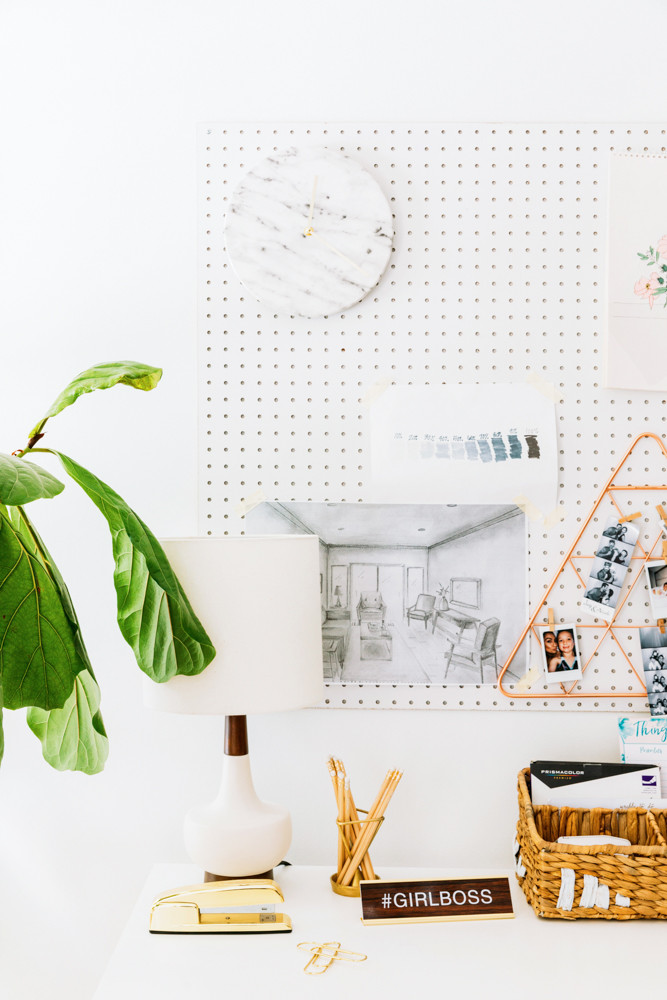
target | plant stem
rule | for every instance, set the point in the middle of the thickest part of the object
(22, 452)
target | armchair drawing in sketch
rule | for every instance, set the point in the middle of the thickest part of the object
(422, 609)
(484, 647)
(371, 607)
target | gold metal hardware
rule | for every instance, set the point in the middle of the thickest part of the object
(216, 907)
(325, 954)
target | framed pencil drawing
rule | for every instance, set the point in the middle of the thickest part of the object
(414, 594)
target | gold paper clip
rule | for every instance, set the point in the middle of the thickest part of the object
(325, 954)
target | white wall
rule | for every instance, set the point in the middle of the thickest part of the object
(97, 237)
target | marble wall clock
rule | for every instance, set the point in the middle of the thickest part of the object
(309, 232)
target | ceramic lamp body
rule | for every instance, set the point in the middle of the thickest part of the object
(259, 601)
(237, 834)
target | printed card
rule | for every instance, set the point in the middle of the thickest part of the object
(637, 273)
(644, 741)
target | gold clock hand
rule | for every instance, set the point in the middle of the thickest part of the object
(311, 232)
(312, 205)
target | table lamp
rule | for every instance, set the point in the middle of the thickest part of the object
(259, 601)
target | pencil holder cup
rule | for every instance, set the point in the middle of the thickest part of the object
(350, 837)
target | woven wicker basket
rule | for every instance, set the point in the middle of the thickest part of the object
(618, 883)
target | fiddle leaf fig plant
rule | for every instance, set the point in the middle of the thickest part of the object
(44, 665)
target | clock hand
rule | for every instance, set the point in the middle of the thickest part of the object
(312, 205)
(311, 232)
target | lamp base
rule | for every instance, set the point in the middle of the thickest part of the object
(209, 877)
(237, 833)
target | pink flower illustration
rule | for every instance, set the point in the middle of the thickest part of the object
(645, 288)
(662, 247)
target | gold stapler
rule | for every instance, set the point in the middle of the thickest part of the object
(243, 905)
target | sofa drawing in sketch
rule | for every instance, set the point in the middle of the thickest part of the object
(413, 594)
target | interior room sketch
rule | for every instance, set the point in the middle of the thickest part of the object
(413, 594)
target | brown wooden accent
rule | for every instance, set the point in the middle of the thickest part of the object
(209, 877)
(236, 735)
(436, 899)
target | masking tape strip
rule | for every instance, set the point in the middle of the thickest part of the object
(535, 514)
(243, 508)
(529, 509)
(547, 389)
(527, 681)
(557, 515)
(373, 394)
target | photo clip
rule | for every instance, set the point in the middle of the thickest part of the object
(663, 517)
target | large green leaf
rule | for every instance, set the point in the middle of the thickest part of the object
(154, 615)
(39, 654)
(104, 376)
(21, 482)
(73, 737)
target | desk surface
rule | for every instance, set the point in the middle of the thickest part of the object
(499, 958)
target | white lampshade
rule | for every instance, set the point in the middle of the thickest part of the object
(259, 601)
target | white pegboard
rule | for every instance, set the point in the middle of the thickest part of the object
(497, 270)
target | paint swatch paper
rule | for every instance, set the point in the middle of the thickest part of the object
(466, 443)
(637, 273)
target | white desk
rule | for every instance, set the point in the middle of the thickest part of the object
(520, 958)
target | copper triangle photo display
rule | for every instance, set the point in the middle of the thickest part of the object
(579, 564)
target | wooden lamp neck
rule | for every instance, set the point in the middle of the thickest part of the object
(236, 735)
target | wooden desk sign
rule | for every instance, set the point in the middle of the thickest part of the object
(434, 900)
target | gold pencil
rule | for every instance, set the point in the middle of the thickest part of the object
(375, 813)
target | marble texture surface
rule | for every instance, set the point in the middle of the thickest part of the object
(331, 268)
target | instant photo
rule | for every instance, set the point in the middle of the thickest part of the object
(615, 552)
(658, 704)
(607, 575)
(653, 644)
(656, 579)
(656, 683)
(560, 654)
(602, 594)
(654, 659)
(605, 571)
